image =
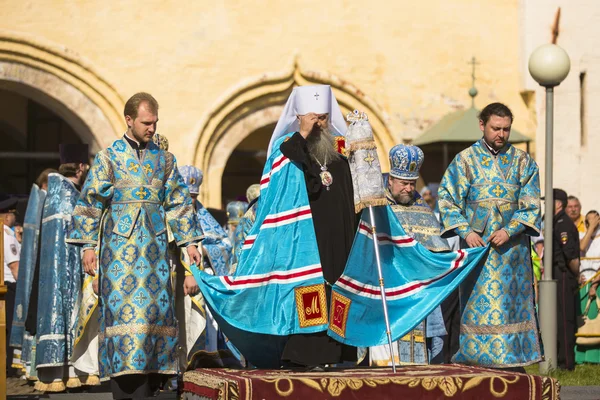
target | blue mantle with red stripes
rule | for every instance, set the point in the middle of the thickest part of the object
(278, 287)
(416, 282)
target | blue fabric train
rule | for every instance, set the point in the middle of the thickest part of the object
(28, 258)
(278, 286)
(416, 282)
(279, 254)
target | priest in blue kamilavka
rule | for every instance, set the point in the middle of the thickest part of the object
(424, 344)
(490, 194)
(133, 191)
(60, 276)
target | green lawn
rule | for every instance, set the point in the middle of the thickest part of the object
(584, 375)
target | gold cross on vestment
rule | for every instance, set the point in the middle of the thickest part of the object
(486, 161)
(147, 169)
(133, 167)
(141, 193)
(369, 159)
(497, 191)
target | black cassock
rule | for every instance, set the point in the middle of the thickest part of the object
(335, 225)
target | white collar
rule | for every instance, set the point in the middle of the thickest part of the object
(133, 140)
(490, 148)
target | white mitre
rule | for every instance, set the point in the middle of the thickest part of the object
(318, 99)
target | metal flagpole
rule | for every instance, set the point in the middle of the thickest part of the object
(388, 330)
(362, 150)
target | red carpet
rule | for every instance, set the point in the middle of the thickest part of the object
(410, 382)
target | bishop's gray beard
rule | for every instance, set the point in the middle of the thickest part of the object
(322, 147)
(403, 199)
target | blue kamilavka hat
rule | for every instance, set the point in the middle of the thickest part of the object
(406, 161)
(192, 177)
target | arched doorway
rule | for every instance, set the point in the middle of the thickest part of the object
(51, 95)
(30, 134)
(258, 103)
(245, 165)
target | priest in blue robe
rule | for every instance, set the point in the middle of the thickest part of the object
(59, 275)
(133, 191)
(424, 344)
(490, 194)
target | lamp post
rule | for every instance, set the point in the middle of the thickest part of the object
(549, 65)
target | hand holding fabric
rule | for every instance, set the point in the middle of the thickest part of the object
(195, 257)
(474, 240)
(89, 261)
(190, 286)
(498, 238)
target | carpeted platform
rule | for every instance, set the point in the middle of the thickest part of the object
(410, 382)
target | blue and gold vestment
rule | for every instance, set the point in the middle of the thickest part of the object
(138, 328)
(483, 193)
(241, 232)
(216, 244)
(60, 279)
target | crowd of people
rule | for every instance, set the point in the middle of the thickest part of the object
(104, 283)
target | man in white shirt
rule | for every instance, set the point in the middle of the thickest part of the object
(589, 244)
(12, 251)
